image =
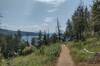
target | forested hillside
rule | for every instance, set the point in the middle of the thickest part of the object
(80, 39)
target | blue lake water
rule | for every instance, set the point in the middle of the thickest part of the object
(29, 38)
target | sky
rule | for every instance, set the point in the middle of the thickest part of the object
(35, 15)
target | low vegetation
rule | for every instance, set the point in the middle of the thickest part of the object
(44, 56)
(82, 33)
(84, 51)
(83, 30)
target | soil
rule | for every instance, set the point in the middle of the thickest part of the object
(65, 58)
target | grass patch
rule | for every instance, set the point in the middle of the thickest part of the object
(77, 49)
(44, 56)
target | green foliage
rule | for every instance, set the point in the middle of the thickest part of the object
(27, 50)
(79, 54)
(11, 44)
(54, 50)
(46, 38)
(79, 22)
(44, 56)
(33, 41)
(40, 35)
(54, 38)
(69, 28)
(0, 59)
(96, 16)
(79, 25)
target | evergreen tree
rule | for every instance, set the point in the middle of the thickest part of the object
(54, 38)
(33, 41)
(68, 31)
(87, 19)
(87, 23)
(96, 16)
(17, 40)
(80, 22)
(40, 35)
(44, 38)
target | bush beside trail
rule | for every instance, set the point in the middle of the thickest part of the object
(84, 51)
(43, 56)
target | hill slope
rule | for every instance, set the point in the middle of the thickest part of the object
(44, 56)
(10, 32)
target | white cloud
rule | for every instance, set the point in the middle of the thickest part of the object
(29, 28)
(44, 24)
(49, 19)
(52, 2)
(36, 26)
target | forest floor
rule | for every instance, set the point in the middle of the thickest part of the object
(65, 58)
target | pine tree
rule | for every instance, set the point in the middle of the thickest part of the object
(17, 40)
(96, 16)
(68, 31)
(87, 23)
(54, 38)
(45, 38)
(33, 41)
(40, 35)
(80, 22)
(87, 18)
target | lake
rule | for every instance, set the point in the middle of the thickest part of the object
(29, 38)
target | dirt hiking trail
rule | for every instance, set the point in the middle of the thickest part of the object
(65, 58)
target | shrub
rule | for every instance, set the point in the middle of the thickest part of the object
(53, 50)
(43, 56)
(27, 50)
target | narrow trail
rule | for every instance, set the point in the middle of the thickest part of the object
(65, 58)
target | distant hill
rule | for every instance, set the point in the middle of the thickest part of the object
(23, 33)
